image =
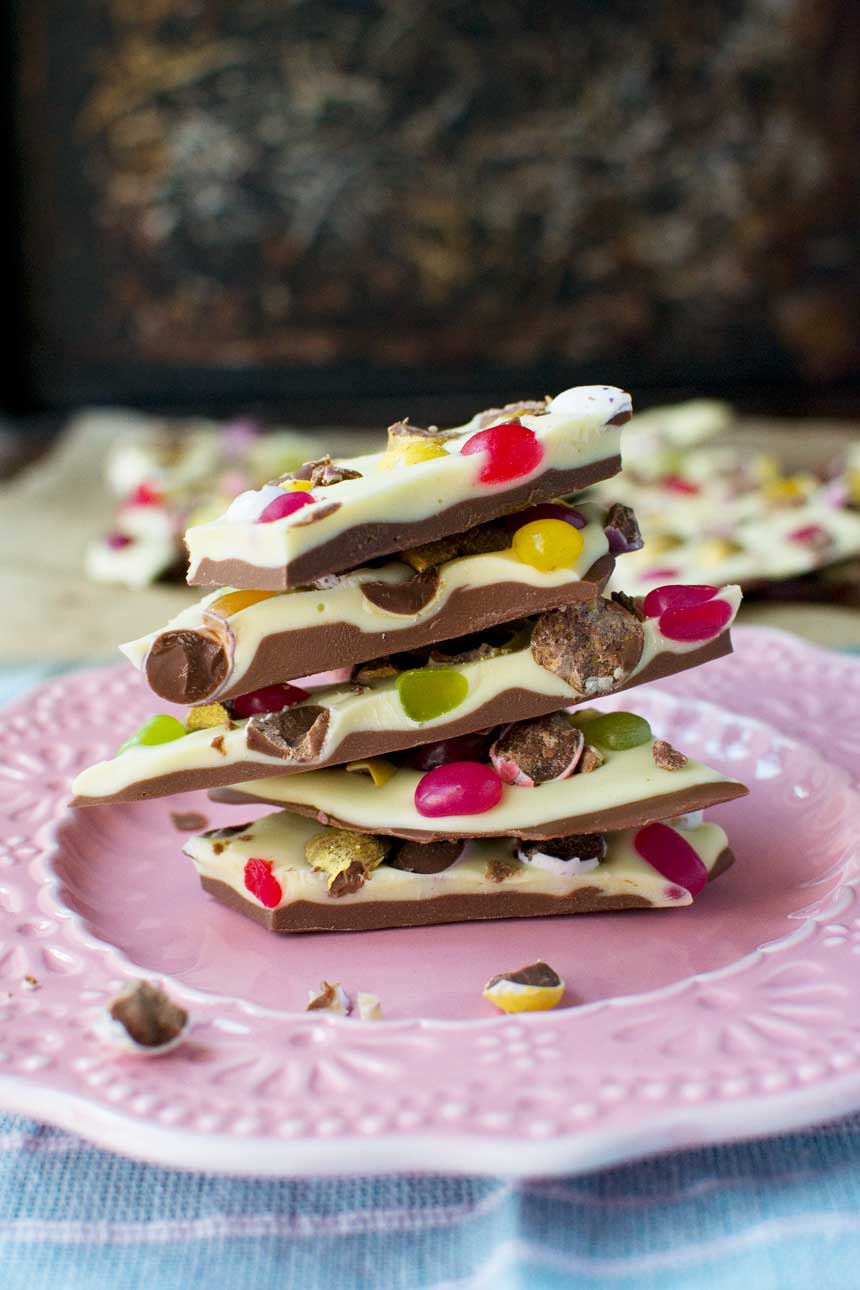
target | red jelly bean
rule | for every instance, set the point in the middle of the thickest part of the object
(512, 451)
(677, 484)
(262, 884)
(676, 597)
(286, 505)
(473, 747)
(699, 623)
(271, 698)
(672, 856)
(811, 535)
(146, 495)
(459, 788)
(544, 511)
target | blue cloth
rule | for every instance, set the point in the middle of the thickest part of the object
(776, 1214)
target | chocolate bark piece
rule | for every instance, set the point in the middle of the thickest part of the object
(593, 646)
(373, 915)
(577, 846)
(537, 751)
(667, 757)
(294, 734)
(365, 541)
(283, 655)
(187, 666)
(429, 857)
(538, 974)
(609, 819)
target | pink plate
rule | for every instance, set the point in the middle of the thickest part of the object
(729, 1019)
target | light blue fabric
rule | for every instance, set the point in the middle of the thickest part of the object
(776, 1215)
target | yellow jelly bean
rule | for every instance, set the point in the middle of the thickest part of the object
(792, 488)
(411, 453)
(379, 770)
(548, 545)
(233, 601)
(296, 485)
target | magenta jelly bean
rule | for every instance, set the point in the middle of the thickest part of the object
(279, 507)
(116, 541)
(812, 535)
(676, 597)
(698, 623)
(672, 856)
(545, 511)
(458, 788)
(270, 698)
(512, 452)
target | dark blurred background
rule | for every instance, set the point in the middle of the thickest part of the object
(337, 210)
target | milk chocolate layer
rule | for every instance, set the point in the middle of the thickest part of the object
(286, 655)
(310, 916)
(363, 542)
(629, 815)
(511, 705)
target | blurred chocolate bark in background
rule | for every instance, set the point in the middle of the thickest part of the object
(226, 201)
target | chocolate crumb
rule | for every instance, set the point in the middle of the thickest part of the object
(228, 831)
(331, 998)
(321, 473)
(591, 759)
(537, 751)
(593, 645)
(188, 821)
(293, 734)
(218, 744)
(32, 982)
(667, 757)
(148, 1015)
(348, 880)
(633, 604)
(525, 407)
(539, 974)
(218, 847)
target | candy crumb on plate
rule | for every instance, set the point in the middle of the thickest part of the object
(143, 1020)
(369, 1006)
(331, 997)
(533, 988)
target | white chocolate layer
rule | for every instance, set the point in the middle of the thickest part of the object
(577, 436)
(345, 602)
(377, 708)
(280, 839)
(625, 777)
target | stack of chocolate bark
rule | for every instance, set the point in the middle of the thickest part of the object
(450, 588)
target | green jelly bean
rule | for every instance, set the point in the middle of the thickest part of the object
(160, 729)
(615, 730)
(427, 692)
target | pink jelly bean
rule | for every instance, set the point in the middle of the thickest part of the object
(287, 504)
(698, 623)
(146, 495)
(512, 451)
(672, 856)
(116, 541)
(270, 698)
(676, 596)
(545, 511)
(811, 535)
(459, 788)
